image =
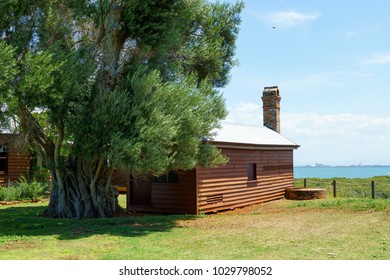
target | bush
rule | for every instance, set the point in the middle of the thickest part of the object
(23, 190)
(10, 193)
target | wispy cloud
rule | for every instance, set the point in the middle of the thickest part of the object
(317, 81)
(312, 125)
(286, 19)
(246, 113)
(336, 138)
(351, 127)
(327, 138)
(382, 58)
(350, 34)
(311, 81)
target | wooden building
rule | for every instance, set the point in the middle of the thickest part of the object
(14, 158)
(260, 169)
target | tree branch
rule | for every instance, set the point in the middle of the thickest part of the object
(35, 136)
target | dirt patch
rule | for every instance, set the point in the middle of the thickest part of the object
(22, 201)
(266, 207)
(72, 258)
(19, 245)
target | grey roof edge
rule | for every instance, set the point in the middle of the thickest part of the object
(241, 134)
(220, 144)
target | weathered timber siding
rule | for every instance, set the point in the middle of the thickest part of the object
(227, 187)
(18, 158)
(177, 197)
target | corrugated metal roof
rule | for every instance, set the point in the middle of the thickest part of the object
(250, 135)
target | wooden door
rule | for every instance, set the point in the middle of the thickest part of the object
(140, 191)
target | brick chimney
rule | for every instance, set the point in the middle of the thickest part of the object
(271, 108)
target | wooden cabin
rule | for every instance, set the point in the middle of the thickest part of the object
(260, 169)
(14, 158)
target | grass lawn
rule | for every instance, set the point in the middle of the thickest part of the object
(323, 229)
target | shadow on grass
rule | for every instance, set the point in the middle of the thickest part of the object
(25, 221)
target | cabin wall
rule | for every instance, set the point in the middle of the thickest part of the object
(179, 197)
(18, 159)
(227, 187)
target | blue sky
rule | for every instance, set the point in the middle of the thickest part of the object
(331, 62)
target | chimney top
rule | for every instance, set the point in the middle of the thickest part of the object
(271, 91)
(271, 108)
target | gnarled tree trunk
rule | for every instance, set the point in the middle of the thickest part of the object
(85, 191)
(82, 188)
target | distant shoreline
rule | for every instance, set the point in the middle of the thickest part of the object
(338, 166)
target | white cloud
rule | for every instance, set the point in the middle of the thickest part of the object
(246, 113)
(286, 19)
(328, 138)
(339, 138)
(383, 58)
(314, 125)
(350, 34)
(246, 107)
(346, 126)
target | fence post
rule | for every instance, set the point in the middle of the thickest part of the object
(373, 189)
(304, 183)
(334, 188)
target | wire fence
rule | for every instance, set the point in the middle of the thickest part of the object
(343, 187)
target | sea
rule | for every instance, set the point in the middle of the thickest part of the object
(340, 171)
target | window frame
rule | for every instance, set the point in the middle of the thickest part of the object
(171, 177)
(4, 158)
(251, 172)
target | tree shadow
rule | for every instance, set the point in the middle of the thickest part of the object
(26, 221)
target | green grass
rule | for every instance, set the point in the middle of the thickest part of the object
(321, 229)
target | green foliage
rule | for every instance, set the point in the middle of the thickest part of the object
(212, 44)
(37, 78)
(8, 72)
(9, 194)
(30, 190)
(8, 68)
(97, 85)
(152, 126)
(20, 22)
(37, 173)
(23, 190)
(155, 117)
(192, 36)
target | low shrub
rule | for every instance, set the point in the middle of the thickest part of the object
(23, 190)
(10, 193)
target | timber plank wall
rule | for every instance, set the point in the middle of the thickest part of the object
(227, 187)
(18, 158)
(177, 197)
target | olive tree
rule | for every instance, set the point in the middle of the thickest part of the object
(97, 85)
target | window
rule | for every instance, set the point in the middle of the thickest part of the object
(171, 177)
(3, 159)
(251, 171)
